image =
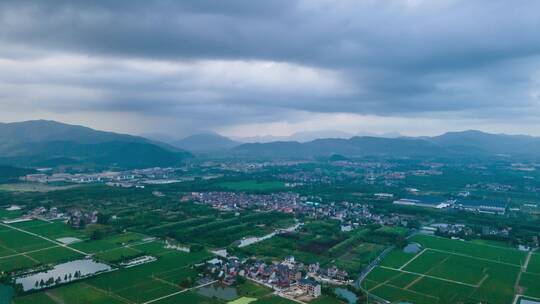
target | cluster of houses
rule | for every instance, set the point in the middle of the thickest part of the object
(351, 215)
(78, 218)
(279, 201)
(282, 276)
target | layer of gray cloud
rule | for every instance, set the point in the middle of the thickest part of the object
(205, 62)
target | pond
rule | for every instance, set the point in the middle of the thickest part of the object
(412, 248)
(62, 273)
(219, 291)
(252, 240)
(346, 294)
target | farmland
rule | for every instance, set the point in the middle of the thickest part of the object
(321, 242)
(171, 272)
(171, 278)
(530, 278)
(447, 271)
(20, 250)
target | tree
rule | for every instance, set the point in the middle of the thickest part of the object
(103, 218)
(96, 234)
(187, 282)
(240, 280)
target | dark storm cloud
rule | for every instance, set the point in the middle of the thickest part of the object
(477, 58)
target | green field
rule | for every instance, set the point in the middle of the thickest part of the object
(534, 264)
(72, 293)
(320, 242)
(489, 252)
(447, 271)
(5, 214)
(530, 280)
(188, 297)
(273, 300)
(20, 250)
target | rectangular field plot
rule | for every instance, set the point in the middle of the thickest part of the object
(16, 263)
(395, 294)
(156, 248)
(456, 268)
(403, 279)
(451, 272)
(153, 280)
(534, 264)
(187, 297)
(54, 255)
(146, 291)
(50, 255)
(134, 285)
(34, 298)
(117, 254)
(108, 243)
(489, 252)
(530, 283)
(18, 242)
(445, 291)
(71, 293)
(426, 261)
(55, 230)
(26, 224)
(21, 250)
(396, 258)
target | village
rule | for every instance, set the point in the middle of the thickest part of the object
(289, 278)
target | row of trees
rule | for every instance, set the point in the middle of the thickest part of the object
(52, 281)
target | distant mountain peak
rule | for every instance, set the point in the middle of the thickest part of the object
(205, 142)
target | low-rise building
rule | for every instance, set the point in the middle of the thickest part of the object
(310, 287)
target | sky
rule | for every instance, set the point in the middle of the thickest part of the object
(255, 68)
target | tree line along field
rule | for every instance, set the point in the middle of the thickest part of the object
(452, 271)
(223, 230)
(139, 210)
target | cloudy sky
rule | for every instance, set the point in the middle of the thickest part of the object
(248, 68)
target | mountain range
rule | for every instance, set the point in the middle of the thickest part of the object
(307, 136)
(50, 143)
(465, 143)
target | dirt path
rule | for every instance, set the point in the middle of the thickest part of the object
(517, 288)
(414, 258)
(429, 276)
